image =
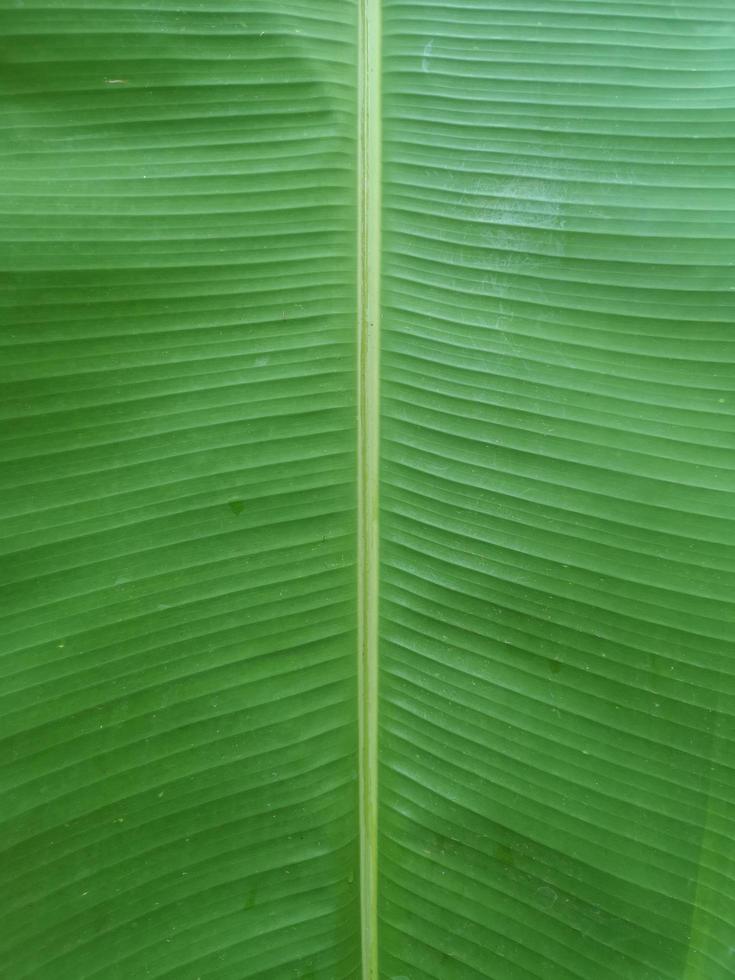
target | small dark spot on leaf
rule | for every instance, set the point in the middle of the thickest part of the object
(251, 896)
(236, 506)
(505, 855)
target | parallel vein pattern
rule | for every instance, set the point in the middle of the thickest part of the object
(557, 782)
(177, 700)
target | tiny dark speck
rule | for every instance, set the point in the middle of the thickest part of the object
(505, 855)
(236, 506)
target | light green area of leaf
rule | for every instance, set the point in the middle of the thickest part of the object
(188, 262)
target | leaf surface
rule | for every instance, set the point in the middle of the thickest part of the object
(190, 232)
(557, 730)
(178, 491)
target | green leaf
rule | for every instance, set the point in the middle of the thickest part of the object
(211, 691)
(179, 492)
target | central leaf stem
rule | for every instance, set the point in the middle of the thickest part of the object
(368, 391)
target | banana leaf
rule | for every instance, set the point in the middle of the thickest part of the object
(367, 525)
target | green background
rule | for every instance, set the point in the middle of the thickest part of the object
(178, 491)
(178, 699)
(558, 798)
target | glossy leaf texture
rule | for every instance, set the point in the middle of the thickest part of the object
(557, 786)
(178, 491)
(179, 760)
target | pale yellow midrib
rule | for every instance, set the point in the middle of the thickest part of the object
(368, 386)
